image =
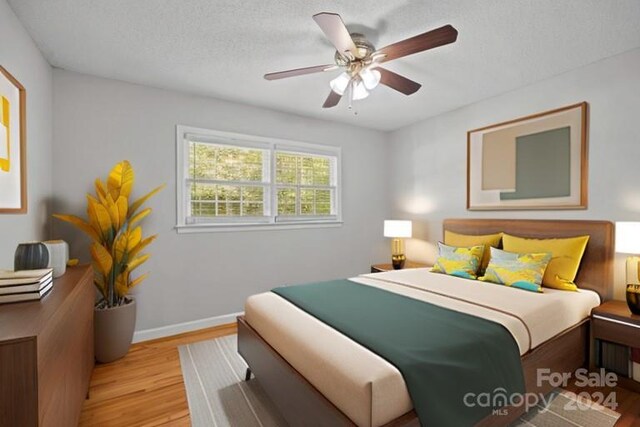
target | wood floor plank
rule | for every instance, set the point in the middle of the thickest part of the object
(145, 388)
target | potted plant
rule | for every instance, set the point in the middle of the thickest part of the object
(116, 250)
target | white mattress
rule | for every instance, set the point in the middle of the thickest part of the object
(370, 390)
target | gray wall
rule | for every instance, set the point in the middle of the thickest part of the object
(429, 158)
(193, 276)
(20, 56)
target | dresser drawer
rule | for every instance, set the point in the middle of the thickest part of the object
(616, 331)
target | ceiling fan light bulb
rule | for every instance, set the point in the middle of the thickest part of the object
(370, 78)
(359, 91)
(340, 83)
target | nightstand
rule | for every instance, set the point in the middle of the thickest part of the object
(379, 268)
(613, 322)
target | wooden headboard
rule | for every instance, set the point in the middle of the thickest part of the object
(596, 268)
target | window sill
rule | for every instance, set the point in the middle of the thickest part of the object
(221, 228)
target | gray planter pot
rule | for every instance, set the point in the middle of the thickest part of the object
(113, 331)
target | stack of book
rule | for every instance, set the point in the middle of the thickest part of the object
(25, 285)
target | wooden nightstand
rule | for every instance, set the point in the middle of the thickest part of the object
(613, 322)
(379, 268)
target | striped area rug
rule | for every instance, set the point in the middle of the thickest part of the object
(216, 391)
(565, 408)
(218, 395)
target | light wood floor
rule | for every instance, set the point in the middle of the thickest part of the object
(144, 388)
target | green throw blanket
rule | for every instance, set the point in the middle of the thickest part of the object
(442, 354)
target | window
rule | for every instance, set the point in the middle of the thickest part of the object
(238, 180)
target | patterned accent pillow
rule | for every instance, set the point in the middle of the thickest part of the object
(458, 261)
(523, 271)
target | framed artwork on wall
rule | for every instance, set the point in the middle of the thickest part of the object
(534, 162)
(13, 173)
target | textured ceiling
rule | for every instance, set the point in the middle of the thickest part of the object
(222, 48)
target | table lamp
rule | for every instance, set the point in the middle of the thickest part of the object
(628, 242)
(397, 230)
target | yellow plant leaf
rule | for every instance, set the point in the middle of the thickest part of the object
(79, 223)
(138, 280)
(102, 200)
(113, 212)
(99, 281)
(91, 214)
(101, 192)
(137, 262)
(143, 244)
(139, 216)
(135, 236)
(120, 246)
(121, 179)
(122, 285)
(99, 216)
(102, 258)
(136, 205)
(122, 203)
(90, 211)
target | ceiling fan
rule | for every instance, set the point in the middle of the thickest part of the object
(360, 61)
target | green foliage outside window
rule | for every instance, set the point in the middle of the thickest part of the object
(301, 180)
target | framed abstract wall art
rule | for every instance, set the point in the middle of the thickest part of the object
(534, 162)
(13, 179)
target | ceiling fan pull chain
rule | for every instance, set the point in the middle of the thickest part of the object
(350, 89)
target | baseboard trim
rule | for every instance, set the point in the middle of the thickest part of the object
(181, 328)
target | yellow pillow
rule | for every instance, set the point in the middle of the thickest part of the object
(566, 255)
(488, 240)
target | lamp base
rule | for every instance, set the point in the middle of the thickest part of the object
(633, 298)
(397, 261)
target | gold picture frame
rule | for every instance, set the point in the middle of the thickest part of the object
(13, 136)
(537, 162)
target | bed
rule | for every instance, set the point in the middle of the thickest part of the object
(317, 376)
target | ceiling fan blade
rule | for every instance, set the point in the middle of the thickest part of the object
(429, 40)
(299, 72)
(332, 100)
(398, 82)
(333, 27)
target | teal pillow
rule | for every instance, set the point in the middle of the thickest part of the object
(458, 261)
(523, 271)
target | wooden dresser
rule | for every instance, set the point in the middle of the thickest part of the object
(46, 354)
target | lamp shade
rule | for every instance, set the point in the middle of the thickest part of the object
(395, 228)
(359, 91)
(628, 237)
(370, 78)
(340, 83)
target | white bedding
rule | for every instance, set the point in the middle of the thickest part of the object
(369, 389)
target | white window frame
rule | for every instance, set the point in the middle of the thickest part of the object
(272, 145)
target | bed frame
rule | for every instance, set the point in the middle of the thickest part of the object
(302, 404)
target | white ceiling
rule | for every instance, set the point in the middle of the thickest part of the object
(222, 48)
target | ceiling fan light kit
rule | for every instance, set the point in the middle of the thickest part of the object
(360, 61)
